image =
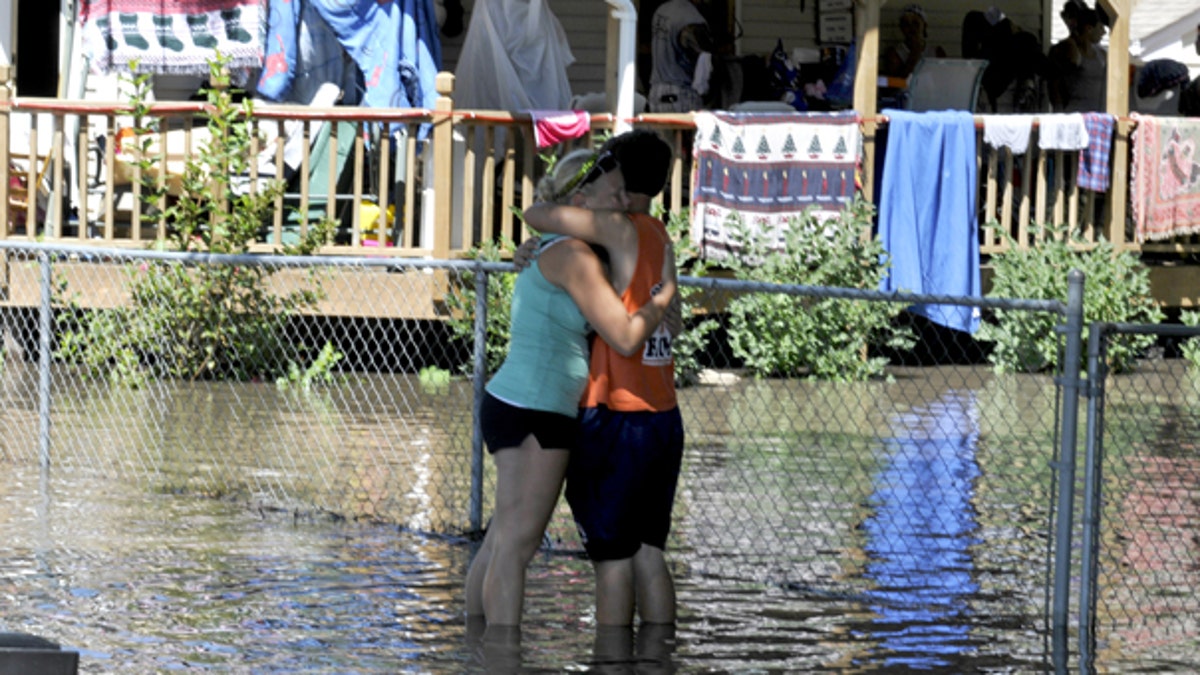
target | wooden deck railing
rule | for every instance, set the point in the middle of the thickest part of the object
(454, 177)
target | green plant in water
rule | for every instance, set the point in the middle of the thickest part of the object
(203, 321)
(829, 339)
(320, 371)
(1117, 289)
(434, 380)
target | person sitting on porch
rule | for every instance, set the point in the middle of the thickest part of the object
(900, 59)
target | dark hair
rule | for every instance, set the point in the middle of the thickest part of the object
(645, 160)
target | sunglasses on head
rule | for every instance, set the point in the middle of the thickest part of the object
(605, 163)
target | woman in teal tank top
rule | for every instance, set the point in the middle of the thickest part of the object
(529, 413)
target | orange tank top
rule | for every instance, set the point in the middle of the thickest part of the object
(646, 380)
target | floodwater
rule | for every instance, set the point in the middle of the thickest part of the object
(840, 528)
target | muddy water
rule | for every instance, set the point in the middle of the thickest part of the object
(893, 525)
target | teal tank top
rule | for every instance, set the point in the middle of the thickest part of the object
(547, 363)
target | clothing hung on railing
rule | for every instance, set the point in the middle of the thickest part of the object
(927, 215)
(180, 36)
(394, 43)
(551, 127)
(769, 169)
(1093, 173)
(1165, 177)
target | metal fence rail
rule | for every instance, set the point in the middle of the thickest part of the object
(937, 496)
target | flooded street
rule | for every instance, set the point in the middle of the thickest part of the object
(849, 528)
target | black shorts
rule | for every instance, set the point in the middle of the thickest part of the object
(507, 426)
(621, 480)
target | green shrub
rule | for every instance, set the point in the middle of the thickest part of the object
(206, 321)
(786, 335)
(1190, 347)
(686, 347)
(1117, 289)
(461, 303)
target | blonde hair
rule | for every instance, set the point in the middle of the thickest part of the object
(563, 180)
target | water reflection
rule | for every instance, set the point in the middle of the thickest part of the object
(920, 533)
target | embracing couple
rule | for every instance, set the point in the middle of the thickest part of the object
(603, 418)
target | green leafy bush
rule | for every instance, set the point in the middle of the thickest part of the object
(786, 335)
(206, 321)
(1117, 289)
(461, 303)
(686, 347)
(1190, 347)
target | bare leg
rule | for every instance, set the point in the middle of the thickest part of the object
(614, 592)
(475, 574)
(528, 482)
(655, 587)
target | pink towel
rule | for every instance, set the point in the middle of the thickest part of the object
(555, 126)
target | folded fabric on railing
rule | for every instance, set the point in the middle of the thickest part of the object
(768, 169)
(1093, 171)
(1165, 177)
(180, 36)
(1062, 131)
(1008, 131)
(927, 216)
(551, 127)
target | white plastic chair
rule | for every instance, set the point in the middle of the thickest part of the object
(945, 84)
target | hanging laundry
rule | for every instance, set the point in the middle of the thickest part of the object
(1165, 177)
(395, 44)
(1062, 131)
(178, 37)
(551, 127)
(514, 58)
(927, 215)
(303, 54)
(1008, 131)
(1093, 173)
(769, 169)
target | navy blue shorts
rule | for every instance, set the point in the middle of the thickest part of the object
(507, 426)
(621, 480)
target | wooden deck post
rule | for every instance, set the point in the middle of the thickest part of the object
(5, 99)
(866, 75)
(443, 166)
(1118, 105)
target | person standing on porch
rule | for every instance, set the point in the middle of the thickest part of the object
(681, 57)
(1080, 64)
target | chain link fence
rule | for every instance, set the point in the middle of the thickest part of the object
(1141, 551)
(932, 504)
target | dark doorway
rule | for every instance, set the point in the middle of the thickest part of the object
(36, 57)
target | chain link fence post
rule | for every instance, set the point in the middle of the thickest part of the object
(1066, 485)
(1094, 450)
(478, 378)
(45, 329)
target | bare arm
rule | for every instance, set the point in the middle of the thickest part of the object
(610, 229)
(572, 266)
